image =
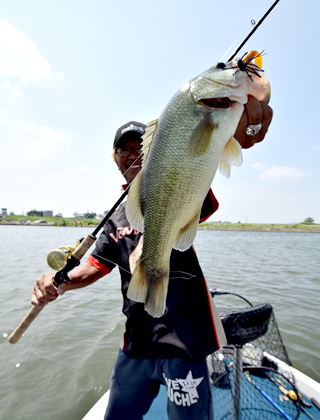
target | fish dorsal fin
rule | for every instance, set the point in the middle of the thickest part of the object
(232, 155)
(148, 138)
(133, 206)
(188, 233)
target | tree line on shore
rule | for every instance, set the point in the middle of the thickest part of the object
(34, 212)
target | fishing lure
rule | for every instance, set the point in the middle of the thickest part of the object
(245, 64)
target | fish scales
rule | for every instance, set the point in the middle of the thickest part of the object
(187, 145)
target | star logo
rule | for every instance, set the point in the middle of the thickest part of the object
(189, 385)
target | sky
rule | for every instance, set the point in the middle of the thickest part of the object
(72, 72)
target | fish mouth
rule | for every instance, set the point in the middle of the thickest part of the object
(217, 102)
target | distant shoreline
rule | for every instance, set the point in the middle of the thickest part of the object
(260, 230)
(239, 227)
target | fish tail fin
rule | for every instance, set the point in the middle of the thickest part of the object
(149, 286)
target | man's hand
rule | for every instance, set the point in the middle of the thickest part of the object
(44, 291)
(255, 112)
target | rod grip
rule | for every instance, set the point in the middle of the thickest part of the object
(15, 336)
(81, 249)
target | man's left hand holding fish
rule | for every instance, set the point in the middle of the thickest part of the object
(255, 112)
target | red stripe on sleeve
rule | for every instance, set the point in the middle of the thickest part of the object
(97, 264)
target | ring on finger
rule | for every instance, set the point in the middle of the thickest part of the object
(253, 129)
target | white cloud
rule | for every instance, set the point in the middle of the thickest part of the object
(26, 142)
(19, 58)
(279, 172)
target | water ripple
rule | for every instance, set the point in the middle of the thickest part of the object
(70, 349)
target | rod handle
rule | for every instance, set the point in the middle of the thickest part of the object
(81, 249)
(15, 336)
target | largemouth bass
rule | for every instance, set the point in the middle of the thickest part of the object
(181, 153)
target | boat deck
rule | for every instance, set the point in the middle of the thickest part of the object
(258, 408)
(254, 405)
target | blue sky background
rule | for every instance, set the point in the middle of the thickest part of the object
(72, 72)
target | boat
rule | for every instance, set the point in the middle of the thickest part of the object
(251, 377)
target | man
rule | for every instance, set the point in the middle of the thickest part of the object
(170, 350)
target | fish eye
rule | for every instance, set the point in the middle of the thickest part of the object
(220, 65)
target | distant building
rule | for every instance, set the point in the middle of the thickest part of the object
(46, 213)
(4, 212)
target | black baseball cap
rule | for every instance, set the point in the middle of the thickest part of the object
(132, 128)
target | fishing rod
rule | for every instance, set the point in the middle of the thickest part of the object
(249, 379)
(74, 259)
(253, 30)
(62, 275)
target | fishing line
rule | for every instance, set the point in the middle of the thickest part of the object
(129, 272)
(251, 24)
(256, 26)
(131, 164)
(240, 36)
(170, 278)
(112, 262)
(84, 219)
(190, 276)
(123, 175)
(253, 29)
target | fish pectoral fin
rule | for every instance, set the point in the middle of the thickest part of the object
(200, 139)
(147, 139)
(133, 207)
(232, 153)
(224, 168)
(187, 234)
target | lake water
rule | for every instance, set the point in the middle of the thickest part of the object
(62, 365)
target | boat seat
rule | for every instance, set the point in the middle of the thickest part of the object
(245, 324)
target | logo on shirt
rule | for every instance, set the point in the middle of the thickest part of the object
(183, 391)
(122, 232)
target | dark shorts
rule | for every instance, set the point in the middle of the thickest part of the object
(135, 383)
